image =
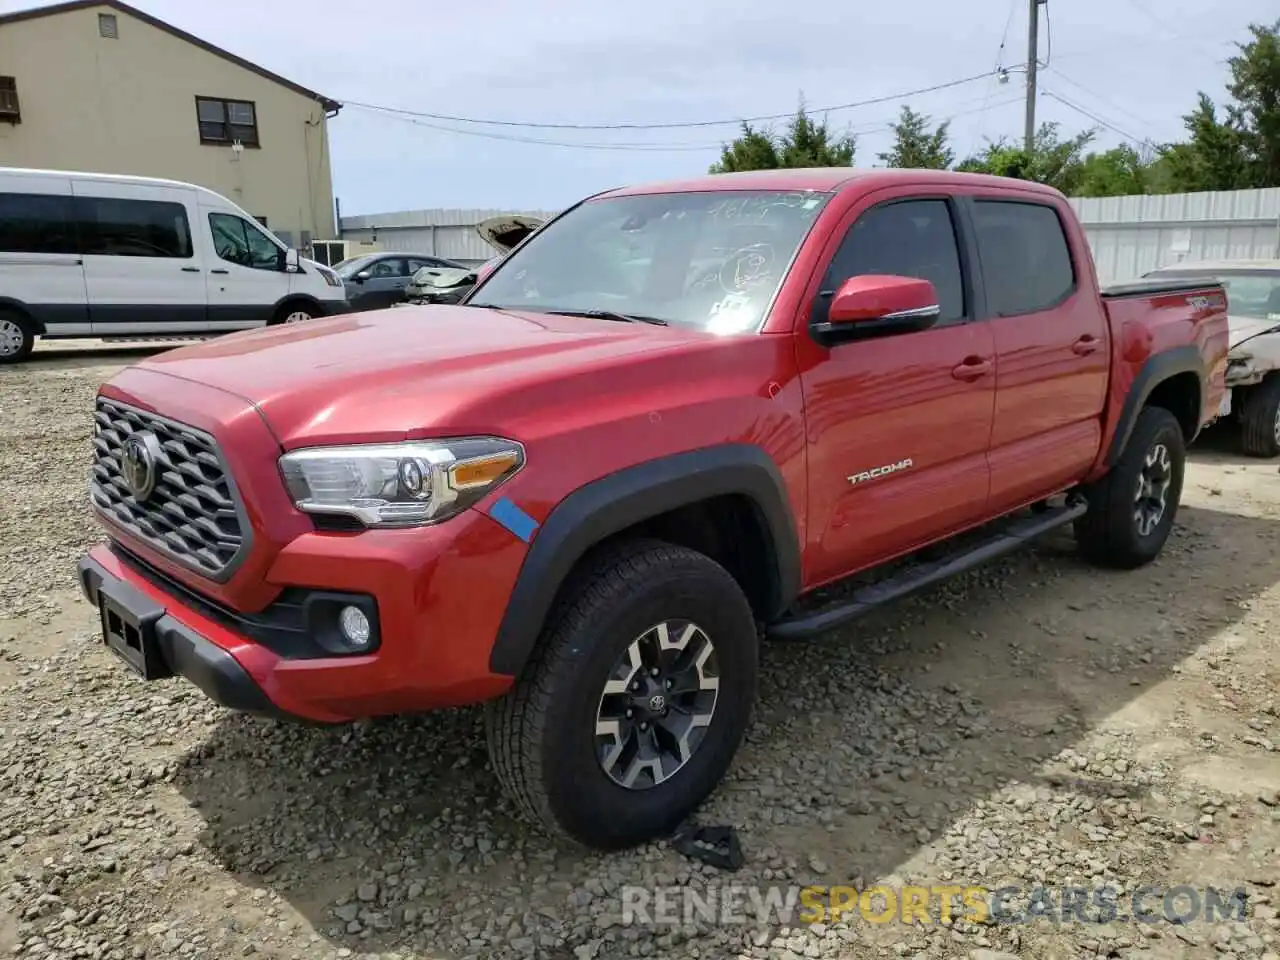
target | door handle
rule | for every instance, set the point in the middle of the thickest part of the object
(190, 269)
(972, 368)
(1086, 345)
(219, 270)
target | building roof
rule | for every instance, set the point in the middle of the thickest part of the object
(72, 5)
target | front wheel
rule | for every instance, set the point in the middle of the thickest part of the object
(1132, 508)
(635, 700)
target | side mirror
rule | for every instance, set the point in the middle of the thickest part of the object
(362, 276)
(291, 264)
(875, 305)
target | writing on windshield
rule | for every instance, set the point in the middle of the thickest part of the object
(709, 259)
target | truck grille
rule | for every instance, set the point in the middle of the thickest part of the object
(191, 513)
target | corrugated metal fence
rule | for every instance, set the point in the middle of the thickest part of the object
(444, 233)
(1128, 235)
(1132, 235)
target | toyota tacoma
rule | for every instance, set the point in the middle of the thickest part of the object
(677, 420)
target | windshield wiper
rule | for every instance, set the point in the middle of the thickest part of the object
(611, 315)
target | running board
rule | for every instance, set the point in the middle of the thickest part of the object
(1015, 535)
(156, 338)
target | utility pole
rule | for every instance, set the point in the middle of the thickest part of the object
(1033, 58)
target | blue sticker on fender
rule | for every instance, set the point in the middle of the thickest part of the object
(514, 519)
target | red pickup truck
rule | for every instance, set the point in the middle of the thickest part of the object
(645, 442)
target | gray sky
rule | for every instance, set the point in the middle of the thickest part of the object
(1135, 64)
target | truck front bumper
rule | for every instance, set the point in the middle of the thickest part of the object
(157, 645)
(434, 597)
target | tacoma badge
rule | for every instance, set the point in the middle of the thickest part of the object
(884, 471)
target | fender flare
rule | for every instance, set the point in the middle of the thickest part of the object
(1154, 371)
(622, 499)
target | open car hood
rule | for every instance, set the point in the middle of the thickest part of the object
(505, 232)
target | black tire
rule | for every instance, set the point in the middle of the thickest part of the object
(1260, 418)
(1109, 534)
(289, 309)
(17, 337)
(542, 734)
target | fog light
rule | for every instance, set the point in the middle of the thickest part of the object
(355, 626)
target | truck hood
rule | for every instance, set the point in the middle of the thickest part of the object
(413, 371)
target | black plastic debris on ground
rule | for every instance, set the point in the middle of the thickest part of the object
(717, 846)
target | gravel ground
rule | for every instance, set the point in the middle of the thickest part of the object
(1037, 723)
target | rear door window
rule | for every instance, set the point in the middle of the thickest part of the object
(1026, 261)
(36, 223)
(115, 227)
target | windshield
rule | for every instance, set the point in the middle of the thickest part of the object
(349, 268)
(712, 260)
(1255, 295)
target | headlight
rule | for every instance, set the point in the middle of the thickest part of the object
(330, 277)
(399, 484)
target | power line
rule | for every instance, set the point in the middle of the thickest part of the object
(1140, 141)
(880, 127)
(671, 125)
(1100, 98)
(1048, 36)
(1147, 12)
(996, 68)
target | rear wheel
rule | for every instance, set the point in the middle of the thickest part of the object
(635, 701)
(1260, 418)
(17, 338)
(1132, 509)
(295, 313)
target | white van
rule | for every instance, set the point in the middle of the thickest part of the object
(99, 255)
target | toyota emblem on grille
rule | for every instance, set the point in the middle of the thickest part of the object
(138, 464)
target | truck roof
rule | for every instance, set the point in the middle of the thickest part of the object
(826, 180)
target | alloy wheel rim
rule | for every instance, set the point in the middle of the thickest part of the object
(1275, 427)
(657, 705)
(297, 316)
(1154, 480)
(11, 338)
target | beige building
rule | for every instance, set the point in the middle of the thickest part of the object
(96, 85)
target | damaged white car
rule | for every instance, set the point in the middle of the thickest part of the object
(444, 285)
(1253, 362)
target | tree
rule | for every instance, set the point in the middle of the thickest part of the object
(804, 143)
(1255, 87)
(1215, 157)
(1242, 148)
(915, 145)
(1053, 160)
(753, 150)
(1115, 173)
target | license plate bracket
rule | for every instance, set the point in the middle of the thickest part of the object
(129, 621)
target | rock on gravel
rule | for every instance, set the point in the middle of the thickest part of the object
(1036, 724)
